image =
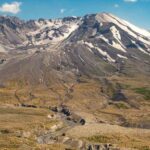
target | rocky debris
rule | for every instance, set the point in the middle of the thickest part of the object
(30, 106)
(77, 144)
(101, 147)
(56, 127)
(23, 134)
(74, 143)
(26, 134)
(82, 121)
(54, 109)
(66, 111)
(119, 96)
(76, 119)
(57, 133)
(113, 90)
(70, 116)
(52, 116)
(47, 140)
(2, 61)
(62, 109)
(69, 19)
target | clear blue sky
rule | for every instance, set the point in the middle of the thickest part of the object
(135, 11)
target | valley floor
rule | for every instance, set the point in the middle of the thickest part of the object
(41, 128)
(38, 119)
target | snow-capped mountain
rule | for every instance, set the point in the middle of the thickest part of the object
(15, 32)
(51, 31)
(97, 44)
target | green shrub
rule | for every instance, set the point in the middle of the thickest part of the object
(121, 106)
(4, 131)
(99, 139)
(144, 91)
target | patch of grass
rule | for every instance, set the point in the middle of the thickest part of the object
(121, 105)
(99, 139)
(142, 148)
(144, 91)
(125, 86)
(145, 148)
(17, 122)
(13, 142)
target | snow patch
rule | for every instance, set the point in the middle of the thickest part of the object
(140, 48)
(139, 34)
(118, 46)
(89, 44)
(121, 56)
(115, 33)
(105, 54)
(81, 58)
(117, 36)
(86, 43)
(46, 30)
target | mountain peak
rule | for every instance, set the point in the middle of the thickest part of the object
(121, 23)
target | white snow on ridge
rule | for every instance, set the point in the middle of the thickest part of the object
(42, 31)
(81, 58)
(140, 48)
(115, 33)
(89, 44)
(104, 39)
(117, 36)
(118, 46)
(111, 18)
(126, 26)
(121, 56)
(137, 29)
(105, 54)
(86, 43)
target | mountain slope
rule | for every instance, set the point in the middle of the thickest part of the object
(97, 44)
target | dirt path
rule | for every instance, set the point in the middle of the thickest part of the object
(53, 136)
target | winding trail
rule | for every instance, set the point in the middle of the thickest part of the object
(53, 136)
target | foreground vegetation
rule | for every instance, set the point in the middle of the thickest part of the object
(145, 91)
(20, 127)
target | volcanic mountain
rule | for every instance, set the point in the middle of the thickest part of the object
(97, 44)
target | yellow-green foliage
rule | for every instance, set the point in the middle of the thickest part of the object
(121, 105)
(144, 91)
(15, 122)
(99, 139)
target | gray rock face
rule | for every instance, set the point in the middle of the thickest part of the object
(101, 147)
(119, 96)
(2, 61)
(97, 44)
